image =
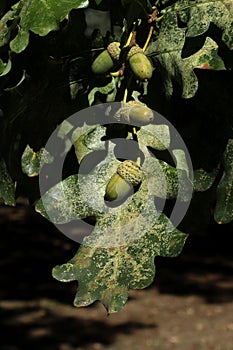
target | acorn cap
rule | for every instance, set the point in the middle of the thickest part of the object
(134, 49)
(130, 171)
(114, 50)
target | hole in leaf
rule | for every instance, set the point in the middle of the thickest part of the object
(91, 160)
(128, 149)
(192, 45)
(163, 155)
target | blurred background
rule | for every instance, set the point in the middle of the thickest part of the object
(189, 306)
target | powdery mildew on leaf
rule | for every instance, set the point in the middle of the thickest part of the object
(155, 136)
(200, 14)
(166, 51)
(108, 274)
(88, 139)
(32, 162)
(119, 252)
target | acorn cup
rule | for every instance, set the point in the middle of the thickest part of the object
(120, 186)
(139, 63)
(106, 59)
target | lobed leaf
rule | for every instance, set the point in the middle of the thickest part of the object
(32, 162)
(167, 53)
(107, 274)
(108, 89)
(38, 16)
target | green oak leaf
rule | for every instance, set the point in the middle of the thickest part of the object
(118, 254)
(5, 67)
(154, 136)
(200, 14)
(107, 274)
(166, 51)
(203, 180)
(38, 16)
(79, 196)
(5, 27)
(32, 162)
(166, 181)
(108, 89)
(88, 139)
(223, 213)
(7, 186)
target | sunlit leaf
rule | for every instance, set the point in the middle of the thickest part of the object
(88, 139)
(38, 16)
(155, 136)
(167, 54)
(32, 161)
(119, 253)
(107, 274)
(79, 196)
(200, 14)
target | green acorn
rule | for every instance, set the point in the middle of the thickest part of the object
(135, 113)
(128, 175)
(139, 63)
(106, 59)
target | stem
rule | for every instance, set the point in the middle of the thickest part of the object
(148, 39)
(125, 96)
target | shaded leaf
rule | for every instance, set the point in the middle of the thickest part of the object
(224, 207)
(105, 90)
(167, 53)
(32, 161)
(5, 27)
(203, 180)
(5, 67)
(20, 42)
(24, 76)
(7, 187)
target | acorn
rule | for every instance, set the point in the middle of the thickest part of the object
(139, 63)
(135, 113)
(128, 175)
(106, 59)
(140, 114)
